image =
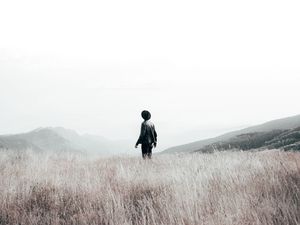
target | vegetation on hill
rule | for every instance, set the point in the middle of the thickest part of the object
(275, 139)
(284, 124)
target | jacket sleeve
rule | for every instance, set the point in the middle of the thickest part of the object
(155, 134)
(142, 134)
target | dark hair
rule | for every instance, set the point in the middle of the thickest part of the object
(146, 115)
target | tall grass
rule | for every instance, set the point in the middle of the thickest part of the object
(220, 188)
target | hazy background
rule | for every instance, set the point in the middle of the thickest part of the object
(201, 67)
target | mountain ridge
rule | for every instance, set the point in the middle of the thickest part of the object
(59, 139)
(286, 123)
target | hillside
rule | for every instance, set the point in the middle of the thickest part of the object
(275, 139)
(280, 124)
(58, 139)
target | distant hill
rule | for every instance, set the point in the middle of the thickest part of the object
(275, 139)
(284, 125)
(58, 139)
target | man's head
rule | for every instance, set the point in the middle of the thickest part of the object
(146, 115)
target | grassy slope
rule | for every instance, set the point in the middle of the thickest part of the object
(281, 124)
(220, 188)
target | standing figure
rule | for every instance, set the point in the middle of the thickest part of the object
(148, 136)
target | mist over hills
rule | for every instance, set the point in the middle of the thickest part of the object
(59, 139)
(280, 133)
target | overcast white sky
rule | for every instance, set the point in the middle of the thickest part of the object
(196, 65)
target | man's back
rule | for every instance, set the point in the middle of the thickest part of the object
(148, 134)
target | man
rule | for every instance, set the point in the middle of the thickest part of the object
(148, 136)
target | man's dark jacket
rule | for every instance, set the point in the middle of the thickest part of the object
(148, 134)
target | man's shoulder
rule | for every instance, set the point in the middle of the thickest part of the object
(148, 123)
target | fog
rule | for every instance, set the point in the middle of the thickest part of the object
(200, 68)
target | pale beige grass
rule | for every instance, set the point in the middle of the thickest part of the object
(224, 188)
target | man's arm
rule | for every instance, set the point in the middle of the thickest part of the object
(142, 134)
(155, 136)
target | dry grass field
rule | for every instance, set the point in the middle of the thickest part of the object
(224, 188)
